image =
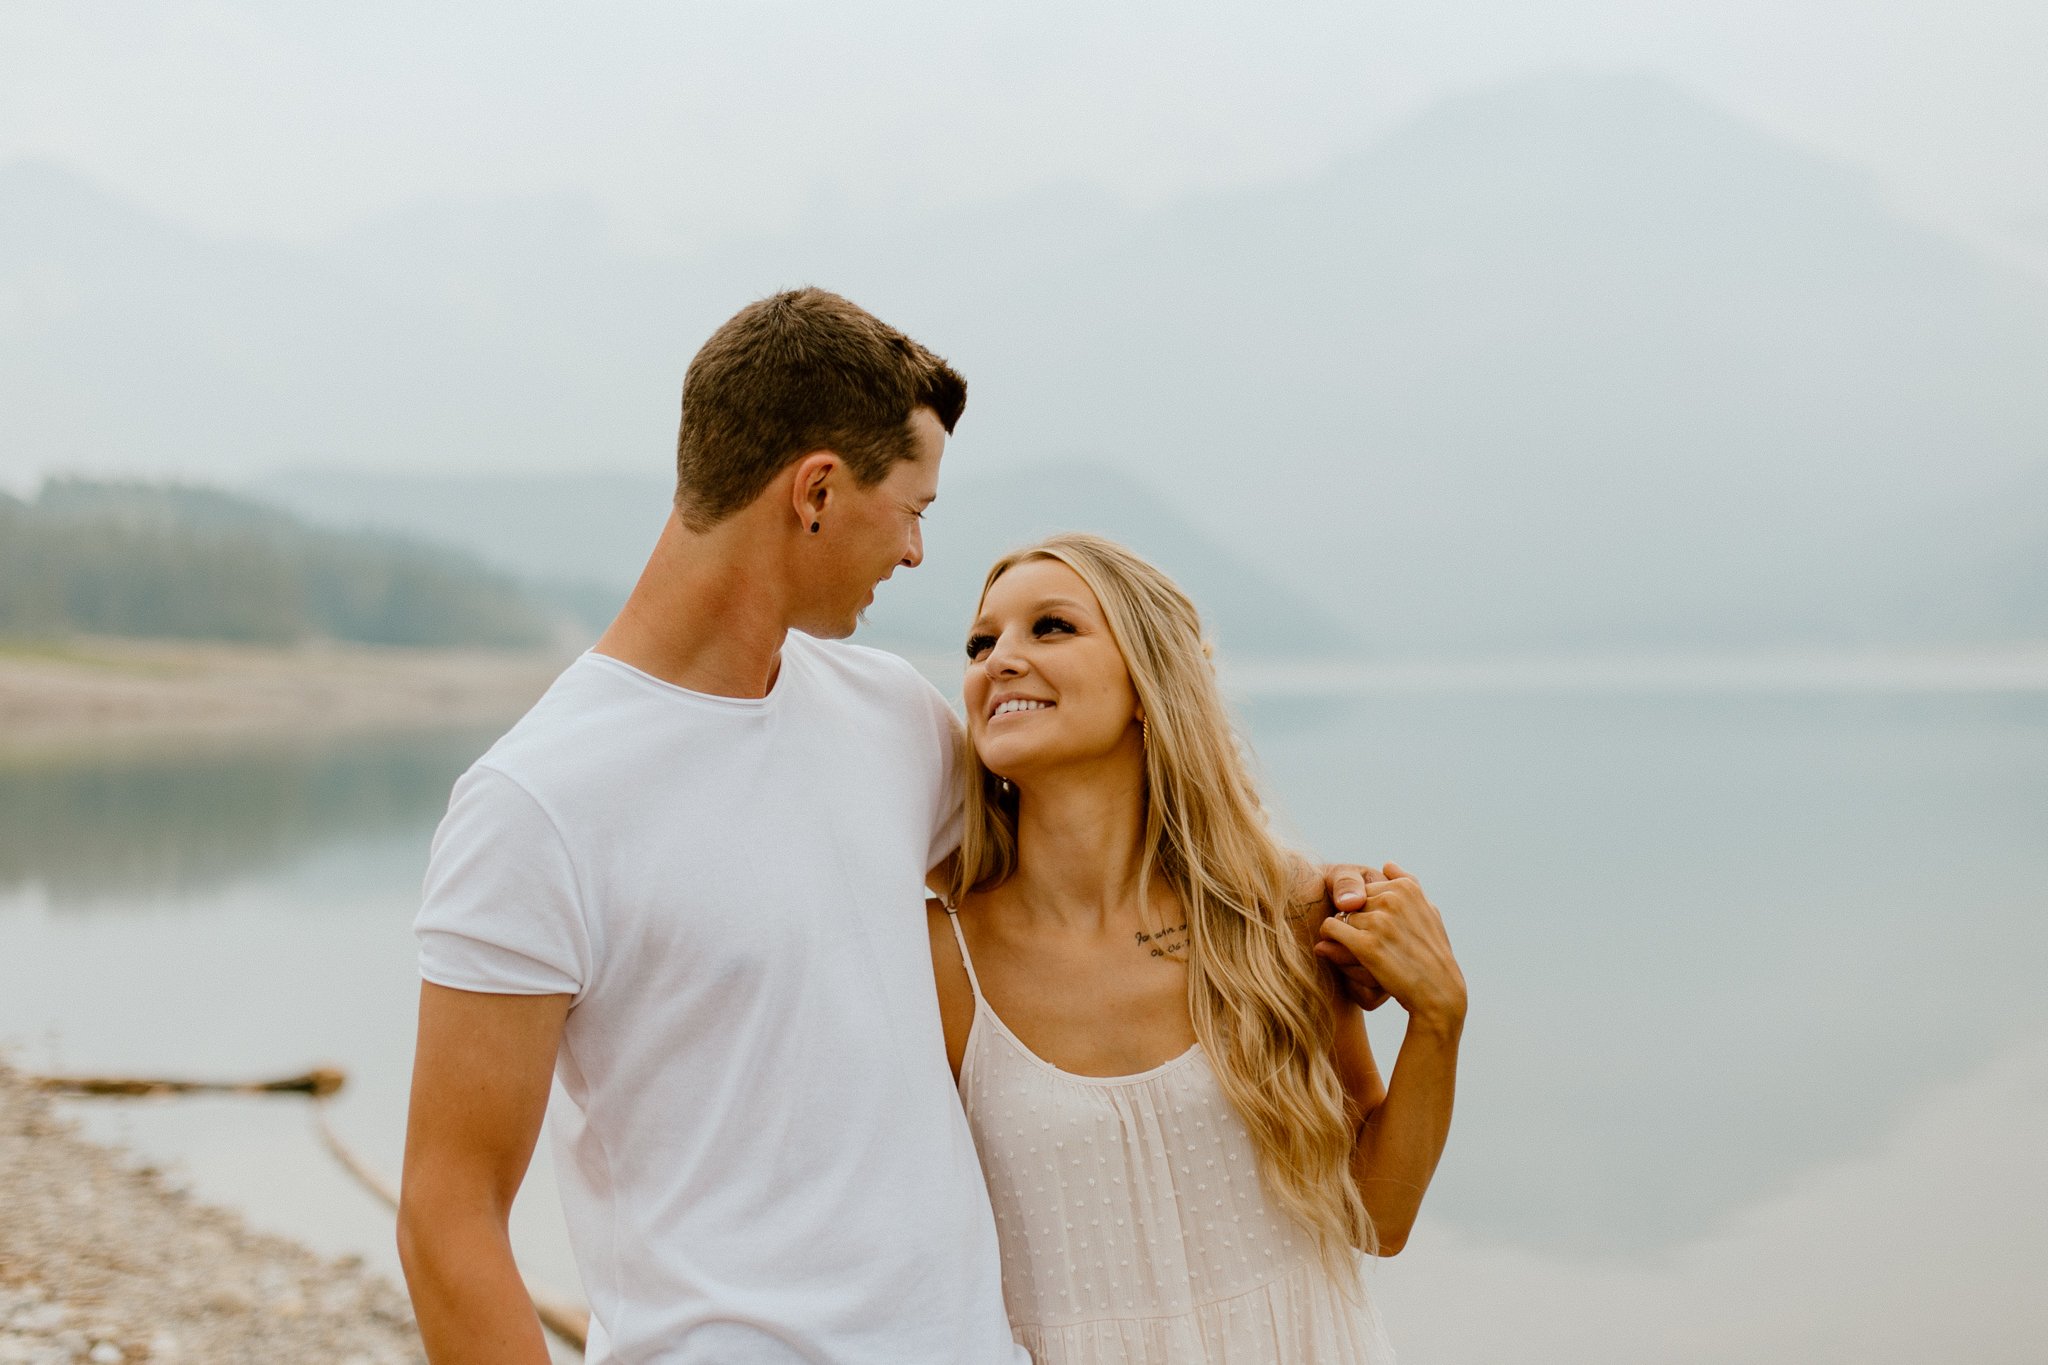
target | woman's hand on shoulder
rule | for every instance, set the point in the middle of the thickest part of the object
(1320, 893)
(1397, 937)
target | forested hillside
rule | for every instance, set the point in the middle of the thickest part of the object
(194, 563)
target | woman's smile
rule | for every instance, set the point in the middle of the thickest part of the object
(1007, 704)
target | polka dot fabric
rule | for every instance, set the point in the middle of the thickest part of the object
(1134, 1228)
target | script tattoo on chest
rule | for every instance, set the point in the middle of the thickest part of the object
(1170, 942)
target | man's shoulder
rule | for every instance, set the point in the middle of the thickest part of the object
(887, 675)
(568, 727)
(846, 656)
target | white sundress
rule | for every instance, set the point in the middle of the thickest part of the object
(1134, 1227)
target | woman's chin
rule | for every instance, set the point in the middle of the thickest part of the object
(1022, 762)
(1011, 762)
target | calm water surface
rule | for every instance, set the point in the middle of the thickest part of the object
(1757, 1067)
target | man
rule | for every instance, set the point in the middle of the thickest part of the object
(689, 885)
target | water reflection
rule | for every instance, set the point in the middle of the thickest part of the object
(1906, 1252)
(1716, 944)
(1719, 946)
(180, 822)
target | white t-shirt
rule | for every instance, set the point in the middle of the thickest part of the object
(761, 1154)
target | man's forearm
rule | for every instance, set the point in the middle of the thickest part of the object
(467, 1293)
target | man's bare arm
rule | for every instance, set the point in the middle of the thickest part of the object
(479, 1091)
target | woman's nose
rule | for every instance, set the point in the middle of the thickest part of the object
(1003, 661)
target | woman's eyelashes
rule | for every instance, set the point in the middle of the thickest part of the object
(978, 645)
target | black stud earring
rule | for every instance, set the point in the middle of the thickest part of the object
(814, 528)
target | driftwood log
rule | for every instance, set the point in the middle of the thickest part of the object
(568, 1321)
(319, 1083)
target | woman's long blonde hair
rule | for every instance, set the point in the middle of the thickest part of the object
(1260, 1001)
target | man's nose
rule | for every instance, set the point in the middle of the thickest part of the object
(913, 554)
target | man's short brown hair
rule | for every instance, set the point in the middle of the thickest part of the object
(801, 371)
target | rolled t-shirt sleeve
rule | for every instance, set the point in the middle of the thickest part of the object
(949, 756)
(501, 911)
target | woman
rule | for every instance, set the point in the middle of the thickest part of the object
(1186, 1139)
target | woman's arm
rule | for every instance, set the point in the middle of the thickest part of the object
(1398, 942)
(1402, 1136)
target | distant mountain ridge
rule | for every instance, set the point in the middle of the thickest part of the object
(1577, 359)
(596, 531)
(1569, 358)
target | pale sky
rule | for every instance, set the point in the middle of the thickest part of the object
(691, 122)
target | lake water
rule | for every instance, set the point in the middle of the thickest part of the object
(1757, 1065)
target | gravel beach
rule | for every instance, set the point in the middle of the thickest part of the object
(101, 1262)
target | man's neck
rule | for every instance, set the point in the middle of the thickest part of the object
(706, 614)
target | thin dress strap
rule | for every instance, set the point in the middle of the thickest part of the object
(966, 959)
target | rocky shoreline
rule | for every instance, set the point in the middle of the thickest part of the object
(102, 1262)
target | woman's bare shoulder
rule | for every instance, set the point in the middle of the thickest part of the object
(949, 976)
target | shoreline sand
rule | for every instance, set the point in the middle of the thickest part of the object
(89, 692)
(85, 692)
(101, 1261)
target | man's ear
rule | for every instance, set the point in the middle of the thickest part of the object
(811, 481)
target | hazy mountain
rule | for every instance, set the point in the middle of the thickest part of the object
(595, 531)
(1580, 358)
(432, 341)
(1577, 359)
